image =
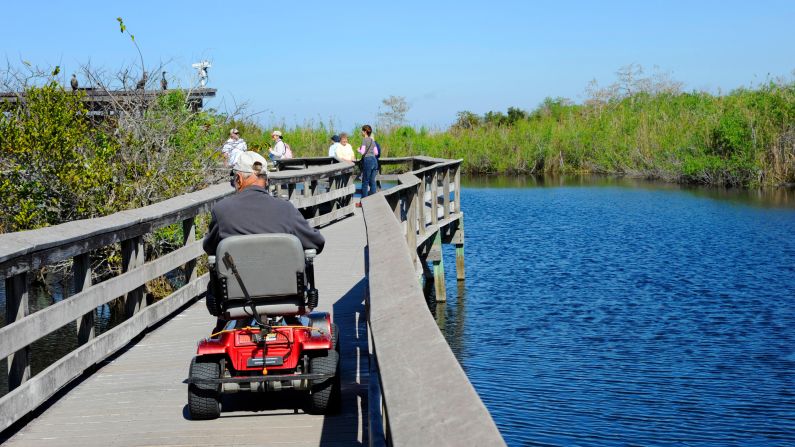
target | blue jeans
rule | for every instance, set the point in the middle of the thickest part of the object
(369, 171)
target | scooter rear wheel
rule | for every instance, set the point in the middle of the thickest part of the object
(204, 400)
(324, 396)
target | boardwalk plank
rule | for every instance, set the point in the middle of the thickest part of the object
(138, 399)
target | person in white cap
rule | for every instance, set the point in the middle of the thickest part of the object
(280, 149)
(233, 147)
(254, 211)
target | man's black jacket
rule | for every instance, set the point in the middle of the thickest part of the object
(254, 211)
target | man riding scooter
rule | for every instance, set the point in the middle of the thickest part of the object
(252, 210)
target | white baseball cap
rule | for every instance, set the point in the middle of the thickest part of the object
(277, 133)
(246, 162)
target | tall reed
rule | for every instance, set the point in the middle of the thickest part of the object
(744, 138)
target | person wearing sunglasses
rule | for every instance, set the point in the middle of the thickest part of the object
(233, 147)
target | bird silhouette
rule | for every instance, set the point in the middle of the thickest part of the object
(164, 82)
(74, 82)
(142, 83)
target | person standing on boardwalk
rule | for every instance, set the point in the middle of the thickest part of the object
(344, 150)
(252, 210)
(280, 149)
(369, 162)
(335, 143)
(233, 147)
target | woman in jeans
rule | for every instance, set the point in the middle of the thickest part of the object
(369, 162)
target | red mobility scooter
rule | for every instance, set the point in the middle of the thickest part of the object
(264, 285)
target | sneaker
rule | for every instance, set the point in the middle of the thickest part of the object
(358, 204)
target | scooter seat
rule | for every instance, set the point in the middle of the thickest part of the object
(272, 269)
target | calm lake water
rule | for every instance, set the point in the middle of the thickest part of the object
(610, 312)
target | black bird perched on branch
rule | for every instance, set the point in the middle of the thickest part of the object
(74, 82)
(164, 82)
(142, 83)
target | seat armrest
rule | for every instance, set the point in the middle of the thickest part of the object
(310, 253)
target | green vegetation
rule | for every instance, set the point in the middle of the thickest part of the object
(647, 129)
(59, 165)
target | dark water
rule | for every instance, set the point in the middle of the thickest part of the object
(623, 313)
(61, 341)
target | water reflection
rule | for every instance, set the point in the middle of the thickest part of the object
(451, 318)
(622, 312)
(780, 197)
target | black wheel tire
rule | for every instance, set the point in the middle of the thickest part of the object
(324, 397)
(212, 303)
(204, 400)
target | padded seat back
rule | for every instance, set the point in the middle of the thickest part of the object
(269, 265)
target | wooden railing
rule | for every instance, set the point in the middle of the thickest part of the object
(418, 393)
(322, 193)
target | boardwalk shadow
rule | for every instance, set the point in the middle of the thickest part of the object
(349, 314)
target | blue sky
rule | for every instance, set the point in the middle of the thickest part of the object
(303, 62)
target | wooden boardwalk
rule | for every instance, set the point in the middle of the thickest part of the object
(125, 387)
(137, 398)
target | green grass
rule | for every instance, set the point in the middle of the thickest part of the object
(745, 138)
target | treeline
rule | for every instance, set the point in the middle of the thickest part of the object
(642, 127)
(59, 164)
(745, 138)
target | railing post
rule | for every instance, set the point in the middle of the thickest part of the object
(132, 255)
(312, 192)
(17, 309)
(457, 186)
(188, 237)
(411, 220)
(348, 180)
(396, 208)
(438, 268)
(333, 185)
(458, 240)
(434, 198)
(446, 192)
(82, 281)
(421, 205)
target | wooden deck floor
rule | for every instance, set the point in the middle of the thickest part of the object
(137, 398)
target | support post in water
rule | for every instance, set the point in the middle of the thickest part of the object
(17, 309)
(438, 268)
(458, 240)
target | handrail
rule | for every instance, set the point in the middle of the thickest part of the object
(439, 407)
(33, 249)
(323, 193)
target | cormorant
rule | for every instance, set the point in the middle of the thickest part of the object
(142, 83)
(164, 82)
(74, 82)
